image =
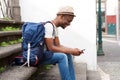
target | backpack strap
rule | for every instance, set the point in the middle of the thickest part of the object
(52, 25)
(28, 55)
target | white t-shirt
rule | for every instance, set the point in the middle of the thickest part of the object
(50, 32)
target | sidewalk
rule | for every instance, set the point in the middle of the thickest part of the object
(109, 64)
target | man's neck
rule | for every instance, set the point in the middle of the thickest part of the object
(55, 22)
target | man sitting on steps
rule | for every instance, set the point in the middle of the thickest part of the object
(62, 55)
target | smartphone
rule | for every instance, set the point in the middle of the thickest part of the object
(83, 49)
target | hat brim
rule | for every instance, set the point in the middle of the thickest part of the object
(67, 13)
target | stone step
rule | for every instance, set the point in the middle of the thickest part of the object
(9, 50)
(93, 75)
(4, 23)
(8, 53)
(18, 73)
(53, 73)
(81, 71)
(9, 33)
(6, 36)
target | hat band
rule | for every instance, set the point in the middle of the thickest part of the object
(69, 13)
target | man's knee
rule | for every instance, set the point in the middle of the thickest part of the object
(60, 56)
(63, 56)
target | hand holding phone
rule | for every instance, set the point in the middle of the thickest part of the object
(82, 51)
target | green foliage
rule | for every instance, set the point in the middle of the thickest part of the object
(2, 69)
(19, 40)
(10, 42)
(48, 67)
(3, 44)
(10, 28)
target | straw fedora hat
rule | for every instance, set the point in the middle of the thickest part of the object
(68, 10)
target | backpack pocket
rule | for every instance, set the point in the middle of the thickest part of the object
(35, 56)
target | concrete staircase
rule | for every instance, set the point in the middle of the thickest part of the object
(8, 53)
(24, 73)
(81, 73)
(33, 73)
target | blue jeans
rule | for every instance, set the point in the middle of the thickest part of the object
(65, 64)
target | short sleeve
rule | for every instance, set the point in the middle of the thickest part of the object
(48, 30)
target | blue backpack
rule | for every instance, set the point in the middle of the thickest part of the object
(33, 43)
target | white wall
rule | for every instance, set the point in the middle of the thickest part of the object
(111, 7)
(81, 33)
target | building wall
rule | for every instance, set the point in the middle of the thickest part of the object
(82, 31)
(111, 16)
